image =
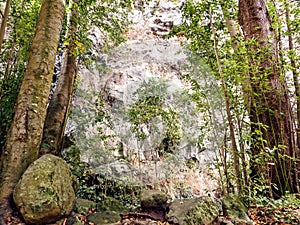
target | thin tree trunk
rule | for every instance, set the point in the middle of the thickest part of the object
(292, 55)
(4, 22)
(270, 110)
(235, 33)
(60, 103)
(235, 151)
(24, 136)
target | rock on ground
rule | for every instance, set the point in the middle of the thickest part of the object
(101, 218)
(196, 211)
(235, 210)
(82, 206)
(45, 192)
(150, 199)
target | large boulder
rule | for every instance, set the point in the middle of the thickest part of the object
(153, 199)
(45, 192)
(196, 211)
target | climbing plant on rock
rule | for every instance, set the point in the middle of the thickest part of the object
(150, 111)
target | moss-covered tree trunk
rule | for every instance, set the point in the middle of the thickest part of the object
(273, 146)
(24, 136)
(60, 103)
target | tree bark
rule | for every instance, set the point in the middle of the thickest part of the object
(24, 136)
(4, 22)
(60, 103)
(273, 143)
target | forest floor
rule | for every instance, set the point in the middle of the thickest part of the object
(273, 215)
(260, 215)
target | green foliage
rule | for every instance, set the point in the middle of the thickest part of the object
(152, 108)
(107, 19)
(196, 27)
(96, 187)
(102, 144)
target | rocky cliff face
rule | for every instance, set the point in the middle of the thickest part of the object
(111, 119)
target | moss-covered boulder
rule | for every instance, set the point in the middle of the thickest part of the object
(45, 192)
(153, 199)
(197, 211)
(235, 210)
(108, 210)
(111, 204)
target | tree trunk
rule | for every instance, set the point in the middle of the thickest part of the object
(235, 151)
(292, 55)
(60, 103)
(273, 143)
(25, 134)
(235, 33)
(4, 22)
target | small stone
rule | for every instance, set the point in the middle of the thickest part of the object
(84, 205)
(73, 221)
(106, 217)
